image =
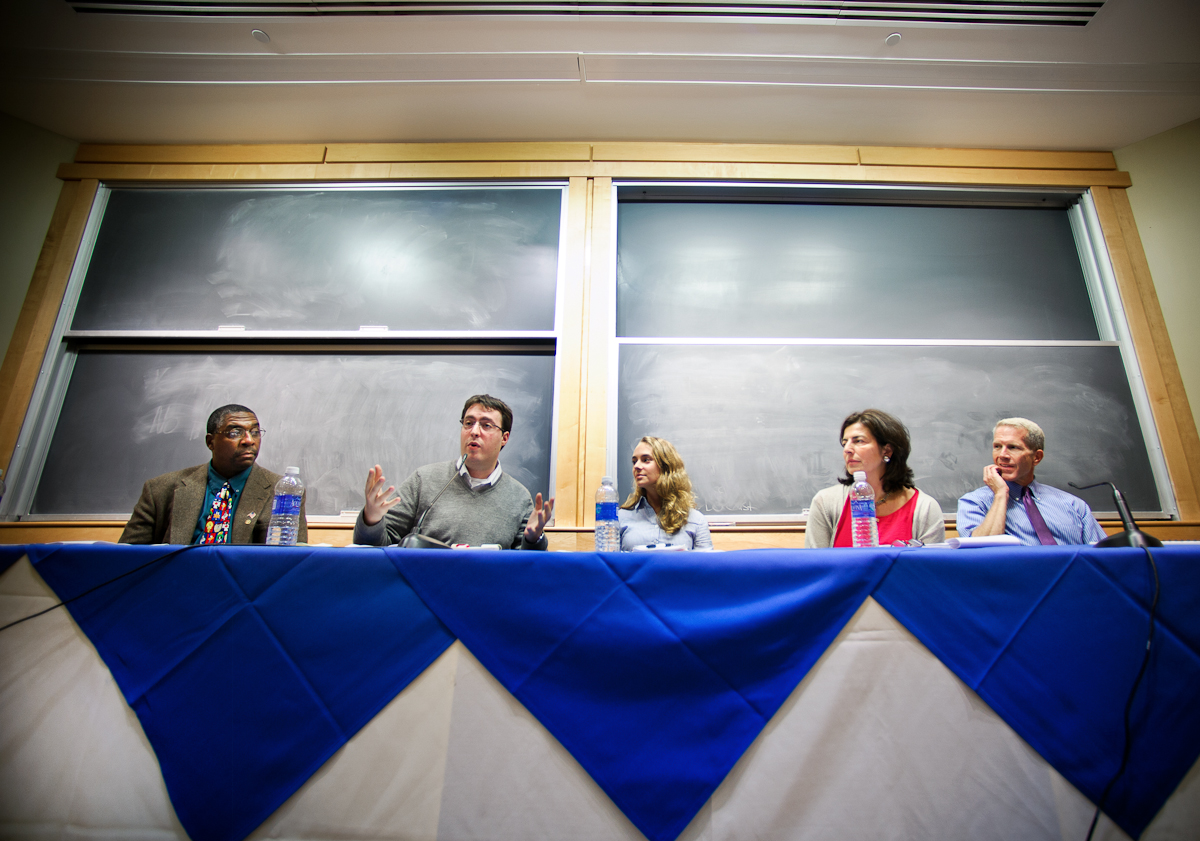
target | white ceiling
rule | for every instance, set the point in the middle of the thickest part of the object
(1132, 72)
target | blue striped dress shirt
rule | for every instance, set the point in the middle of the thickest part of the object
(1067, 516)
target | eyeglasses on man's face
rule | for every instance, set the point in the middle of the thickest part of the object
(237, 433)
(485, 425)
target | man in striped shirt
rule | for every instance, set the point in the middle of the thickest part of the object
(1011, 502)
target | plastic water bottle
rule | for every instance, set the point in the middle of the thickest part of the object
(285, 510)
(864, 528)
(608, 530)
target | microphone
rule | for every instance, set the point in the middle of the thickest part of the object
(416, 540)
(1132, 535)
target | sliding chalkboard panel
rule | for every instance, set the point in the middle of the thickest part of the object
(758, 425)
(129, 416)
(773, 270)
(334, 259)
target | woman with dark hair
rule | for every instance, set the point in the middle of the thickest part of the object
(660, 509)
(875, 443)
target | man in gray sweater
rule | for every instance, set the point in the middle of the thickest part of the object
(477, 503)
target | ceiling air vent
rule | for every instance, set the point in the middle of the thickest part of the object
(964, 13)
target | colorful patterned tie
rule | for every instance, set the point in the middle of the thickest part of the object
(216, 525)
(1035, 517)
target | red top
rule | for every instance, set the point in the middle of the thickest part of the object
(893, 527)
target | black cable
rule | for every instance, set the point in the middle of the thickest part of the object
(1129, 703)
(65, 602)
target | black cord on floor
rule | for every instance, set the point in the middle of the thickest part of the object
(1129, 703)
(165, 557)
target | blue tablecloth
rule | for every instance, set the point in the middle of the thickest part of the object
(249, 666)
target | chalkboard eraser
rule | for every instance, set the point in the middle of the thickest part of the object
(349, 512)
(373, 328)
(230, 328)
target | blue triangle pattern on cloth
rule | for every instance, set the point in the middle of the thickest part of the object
(244, 667)
(1053, 644)
(655, 671)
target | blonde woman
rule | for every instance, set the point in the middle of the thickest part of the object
(660, 509)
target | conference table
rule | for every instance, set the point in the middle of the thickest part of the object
(220, 693)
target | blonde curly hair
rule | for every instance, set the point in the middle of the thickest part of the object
(673, 486)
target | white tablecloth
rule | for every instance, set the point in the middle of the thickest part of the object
(880, 741)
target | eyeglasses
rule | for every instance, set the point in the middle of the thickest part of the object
(237, 433)
(484, 424)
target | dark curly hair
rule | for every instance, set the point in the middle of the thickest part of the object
(885, 429)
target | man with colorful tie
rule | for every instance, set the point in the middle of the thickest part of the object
(1011, 502)
(227, 500)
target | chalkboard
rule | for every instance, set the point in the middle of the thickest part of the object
(294, 259)
(775, 270)
(758, 425)
(129, 416)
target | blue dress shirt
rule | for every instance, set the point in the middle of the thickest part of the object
(1067, 516)
(640, 526)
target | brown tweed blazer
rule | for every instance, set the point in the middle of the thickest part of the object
(170, 504)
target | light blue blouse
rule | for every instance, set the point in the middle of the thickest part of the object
(639, 526)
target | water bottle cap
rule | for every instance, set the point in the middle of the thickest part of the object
(860, 475)
(607, 480)
(292, 471)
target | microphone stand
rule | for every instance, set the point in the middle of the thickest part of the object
(416, 540)
(1132, 535)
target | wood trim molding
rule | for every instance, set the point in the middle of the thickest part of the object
(572, 358)
(725, 152)
(388, 152)
(545, 170)
(989, 158)
(1156, 358)
(31, 336)
(604, 151)
(597, 327)
(216, 154)
(867, 174)
(561, 539)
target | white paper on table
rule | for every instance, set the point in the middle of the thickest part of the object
(981, 542)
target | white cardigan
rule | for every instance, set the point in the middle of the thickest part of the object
(929, 526)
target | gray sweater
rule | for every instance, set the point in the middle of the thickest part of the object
(493, 514)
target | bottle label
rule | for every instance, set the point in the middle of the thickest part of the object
(606, 511)
(862, 508)
(286, 504)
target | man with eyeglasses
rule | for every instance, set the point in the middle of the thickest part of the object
(477, 503)
(227, 500)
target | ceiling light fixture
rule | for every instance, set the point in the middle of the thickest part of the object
(259, 35)
(892, 40)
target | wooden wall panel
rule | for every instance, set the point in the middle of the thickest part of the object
(597, 326)
(561, 539)
(1156, 358)
(31, 336)
(572, 358)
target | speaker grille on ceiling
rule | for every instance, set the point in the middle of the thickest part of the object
(962, 12)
